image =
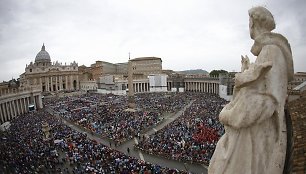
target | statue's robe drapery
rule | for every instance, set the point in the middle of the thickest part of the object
(255, 129)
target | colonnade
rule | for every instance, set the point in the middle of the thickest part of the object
(209, 87)
(141, 86)
(13, 105)
(59, 82)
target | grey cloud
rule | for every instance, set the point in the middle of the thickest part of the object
(200, 34)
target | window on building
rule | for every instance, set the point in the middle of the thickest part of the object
(30, 70)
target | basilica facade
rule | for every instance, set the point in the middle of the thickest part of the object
(50, 76)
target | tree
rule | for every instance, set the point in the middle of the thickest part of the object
(215, 73)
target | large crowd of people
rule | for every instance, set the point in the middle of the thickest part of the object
(109, 116)
(23, 149)
(193, 136)
(162, 102)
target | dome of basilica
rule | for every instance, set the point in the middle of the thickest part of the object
(43, 55)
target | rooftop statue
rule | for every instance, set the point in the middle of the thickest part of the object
(255, 128)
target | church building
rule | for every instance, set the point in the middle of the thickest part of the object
(48, 76)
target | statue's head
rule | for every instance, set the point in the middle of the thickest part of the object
(261, 20)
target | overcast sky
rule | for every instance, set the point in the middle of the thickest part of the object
(186, 34)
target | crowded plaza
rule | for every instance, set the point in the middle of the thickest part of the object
(24, 148)
(193, 136)
(42, 142)
(109, 116)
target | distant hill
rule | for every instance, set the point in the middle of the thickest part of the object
(194, 71)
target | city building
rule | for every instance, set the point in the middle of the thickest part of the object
(48, 76)
(298, 78)
(158, 82)
(145, 66)
(15, 100)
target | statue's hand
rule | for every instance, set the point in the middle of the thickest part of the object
(245, 63)
(223, 118)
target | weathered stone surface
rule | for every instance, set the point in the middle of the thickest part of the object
(255, 129)
(298, 111)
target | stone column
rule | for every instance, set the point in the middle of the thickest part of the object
(7, 109)
(51, 83)
(61, 82)
(137, 87)
(40, 83)
(9, 113)
(71, 83)
(11, 110)
(20, 106)
(210, 88)
(204, 86)
(187, 86)
(66, 82)
(34, 102)
(40, 105)
(4, 109)
(17, 106)
(56, 84)
(27, 103)
(78, 83)
(193, 86)
(200, 86)
(24, 105)
(217, 88)
(143, 87)
(1, 114)
(46, 84)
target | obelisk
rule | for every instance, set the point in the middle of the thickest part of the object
(131, 101)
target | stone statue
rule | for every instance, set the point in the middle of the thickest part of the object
(255, 129)
(46, 130)
(245, 63)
